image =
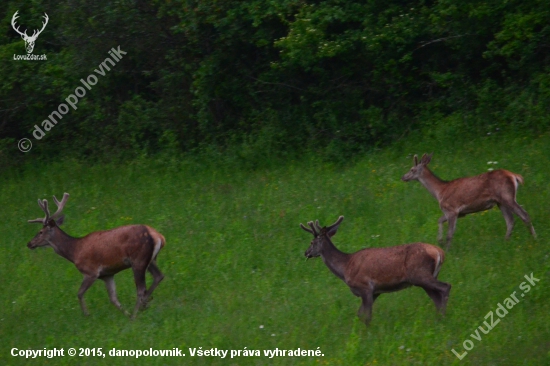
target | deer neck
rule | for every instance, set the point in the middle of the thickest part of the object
(64, 244)
(334, 259)
(433, 184)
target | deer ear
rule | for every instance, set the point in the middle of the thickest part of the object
(332, 231)
(426, 159)
(56, 222)
(415, 160)
(60, 220)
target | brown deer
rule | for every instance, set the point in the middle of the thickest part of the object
(102, 254)
(463, 196)
(373, 271)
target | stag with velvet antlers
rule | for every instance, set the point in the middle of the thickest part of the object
(371, 272)
(102, 254)
(463, 196)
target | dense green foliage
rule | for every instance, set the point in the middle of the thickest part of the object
(257, 79)
(234, 262)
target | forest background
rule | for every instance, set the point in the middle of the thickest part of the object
(258, 82)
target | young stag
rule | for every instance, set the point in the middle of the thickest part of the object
(102, 254)
(463, 196)
(373, 271)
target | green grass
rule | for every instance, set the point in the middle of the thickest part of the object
(235, 272)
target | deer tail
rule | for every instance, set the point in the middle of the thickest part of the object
(158, 242)
(438, 256)
(438, 263)
(518, 178)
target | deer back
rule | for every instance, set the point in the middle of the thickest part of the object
(393, 265)
(496, 185)
(117, 249)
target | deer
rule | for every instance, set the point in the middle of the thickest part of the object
(102, 254)
(460, 197)
(29, 40)
(371, 272)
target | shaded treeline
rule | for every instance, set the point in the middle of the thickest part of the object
(257, 79)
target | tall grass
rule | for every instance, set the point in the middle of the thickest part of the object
(235, 272)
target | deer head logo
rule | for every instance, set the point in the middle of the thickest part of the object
(29, 40)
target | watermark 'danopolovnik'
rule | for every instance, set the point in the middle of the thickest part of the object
(72, 99)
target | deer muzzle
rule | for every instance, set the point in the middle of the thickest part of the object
(309, 255)
(33, 244)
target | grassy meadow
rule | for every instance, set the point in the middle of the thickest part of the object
(235, 273)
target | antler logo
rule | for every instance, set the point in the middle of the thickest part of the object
(29, 40)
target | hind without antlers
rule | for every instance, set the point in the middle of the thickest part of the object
(102, 254)
(371, 272)
(463, 196)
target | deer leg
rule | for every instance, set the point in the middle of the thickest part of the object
(86, 283)
(434, 295)
(439, 295)
(509, 218)
(445, 290)
(111, 290)
(139, 278)
(451, 229)
(365, 310)
(518, 210)
(440, 223)
(157, 277)
(438, 291)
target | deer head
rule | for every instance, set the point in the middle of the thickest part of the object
(29, 40)
(49, 223)
(418, 168)
(320, 235)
